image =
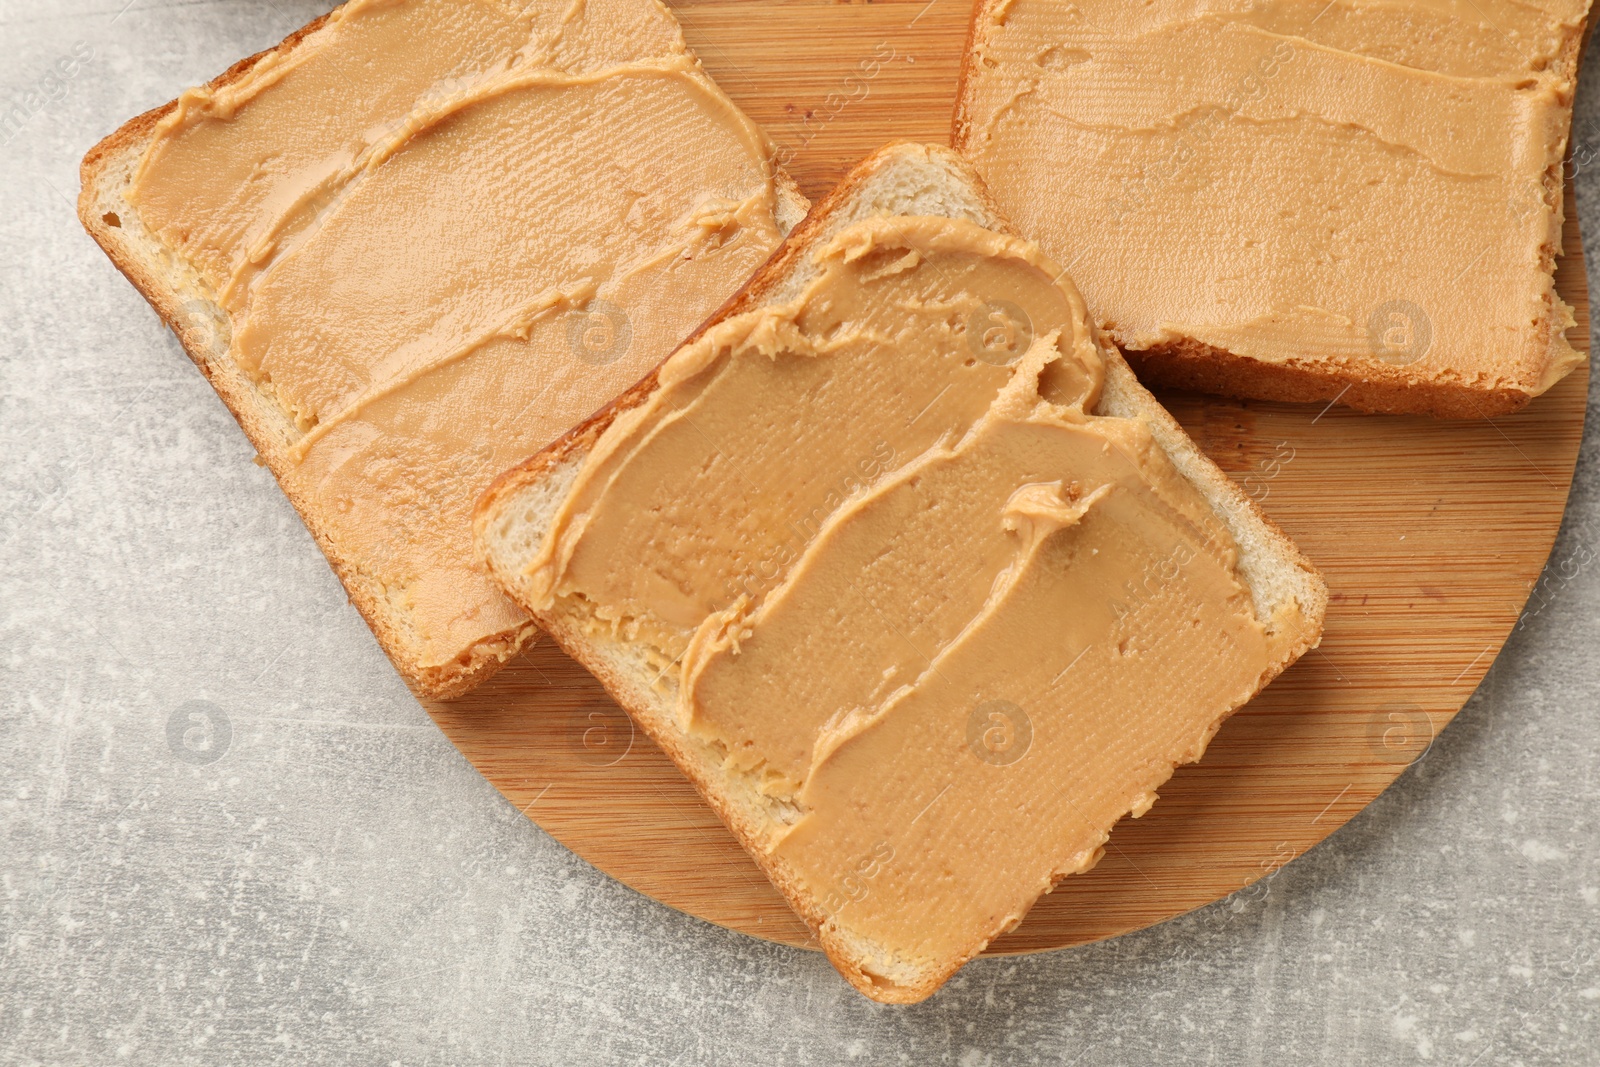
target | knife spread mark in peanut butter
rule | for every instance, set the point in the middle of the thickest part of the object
(446, 231)
(991, 576)
(1275, 175)
(726, 451)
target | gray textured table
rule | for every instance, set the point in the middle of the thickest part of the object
(339, 886)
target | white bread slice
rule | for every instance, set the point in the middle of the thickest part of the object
(1530, 52)
(188, 306)
(513, 516)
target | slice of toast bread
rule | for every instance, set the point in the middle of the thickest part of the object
(1275, 232)
(515, 515)
(189, 303)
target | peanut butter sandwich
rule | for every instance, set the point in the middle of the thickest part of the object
(905, 570)
(1311, 200)
(419, 239)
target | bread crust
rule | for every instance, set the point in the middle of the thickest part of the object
(1187, 363)
(704, 772)
(763, 281)
(1190, 364)
(265, 424)
(253, 412)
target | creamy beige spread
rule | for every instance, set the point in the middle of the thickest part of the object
(948, 623)
(446, 231)
(1343, 182)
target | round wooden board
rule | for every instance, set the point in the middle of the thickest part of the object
(1432, 536)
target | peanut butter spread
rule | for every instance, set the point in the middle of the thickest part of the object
(446, 231)
(949, 624)
(1357, 183)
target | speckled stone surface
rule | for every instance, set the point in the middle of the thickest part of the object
(327, 881)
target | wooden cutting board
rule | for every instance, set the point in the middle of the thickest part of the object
(1432, 536)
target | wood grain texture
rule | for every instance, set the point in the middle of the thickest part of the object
(1432, 536)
